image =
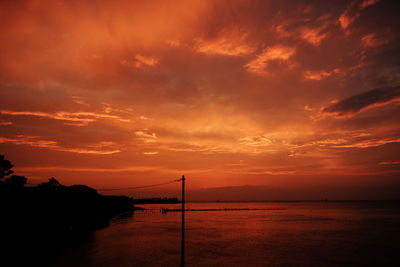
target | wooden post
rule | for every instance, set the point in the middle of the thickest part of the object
(183, 223)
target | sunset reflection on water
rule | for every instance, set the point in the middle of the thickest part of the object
(296, 233)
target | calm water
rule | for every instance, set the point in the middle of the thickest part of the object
(295, 234)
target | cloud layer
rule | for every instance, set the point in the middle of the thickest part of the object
(286, 94)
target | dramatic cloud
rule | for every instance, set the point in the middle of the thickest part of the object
(313, 36)
(352, 12)
(228, 43)
(346, 19)
(280, 53)
(369, 99)
(229, 93)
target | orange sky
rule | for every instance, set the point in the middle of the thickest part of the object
(290, 95)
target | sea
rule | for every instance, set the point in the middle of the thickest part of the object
(326, 233)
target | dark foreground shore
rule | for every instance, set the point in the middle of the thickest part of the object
(38, 221)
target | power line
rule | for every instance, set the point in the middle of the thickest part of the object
(127, 188)
(138, 187)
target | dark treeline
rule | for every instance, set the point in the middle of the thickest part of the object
(36, 220)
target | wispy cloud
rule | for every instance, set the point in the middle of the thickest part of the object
(320, 74)
(37, 141)
(389, 163)
(367, 3)
(312, 35)
(352, 12)
(79, 100)
(229, 43)
(345, 141)
(279, 52)
(112, 170)
(263, 171)
(369, 143)
(349, 15)
(370, 40)
(69, 118)
(146, 137)
(94, 169)
(256, 141)
(151, 153)
(140, 62)
(346, 19)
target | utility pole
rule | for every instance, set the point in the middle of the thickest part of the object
(183, 223)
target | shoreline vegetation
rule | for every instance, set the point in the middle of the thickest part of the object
(37, 220)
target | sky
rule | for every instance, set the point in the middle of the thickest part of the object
(247, 99)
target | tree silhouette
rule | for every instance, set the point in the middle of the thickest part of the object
(51, 185)
(5, 167)
(15, 183)
(53, 182)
